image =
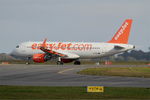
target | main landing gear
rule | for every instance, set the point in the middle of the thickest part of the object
(77, 63)
(59, 63)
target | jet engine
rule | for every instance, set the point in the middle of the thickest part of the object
(41, 58)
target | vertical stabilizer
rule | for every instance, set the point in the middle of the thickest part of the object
(123, 33)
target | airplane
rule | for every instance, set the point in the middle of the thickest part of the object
(66, 52)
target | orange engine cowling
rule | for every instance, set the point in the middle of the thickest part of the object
(39, 58)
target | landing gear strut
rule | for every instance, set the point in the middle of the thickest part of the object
(77, 63)
(28, 60)
(59, 62)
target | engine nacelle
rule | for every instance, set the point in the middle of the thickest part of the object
(40, 58)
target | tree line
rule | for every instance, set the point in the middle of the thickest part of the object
(133, 55)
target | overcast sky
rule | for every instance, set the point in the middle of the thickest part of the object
(72, 20)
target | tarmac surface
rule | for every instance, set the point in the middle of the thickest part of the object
(53, 75)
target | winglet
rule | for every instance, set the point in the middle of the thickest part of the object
(44, 43)
(123, 33)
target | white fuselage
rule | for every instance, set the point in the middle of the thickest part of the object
(83, 49)
(69, 51)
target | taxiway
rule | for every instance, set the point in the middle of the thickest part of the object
(53, 75)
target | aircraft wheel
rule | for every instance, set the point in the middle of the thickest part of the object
(27, 63)
(28, 60)
(77, 63)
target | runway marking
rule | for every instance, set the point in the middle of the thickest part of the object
(65, 70)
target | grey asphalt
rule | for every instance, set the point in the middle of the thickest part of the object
(53, 75)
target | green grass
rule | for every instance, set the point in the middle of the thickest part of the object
(118, 71)
(30, 92)
(130, 62)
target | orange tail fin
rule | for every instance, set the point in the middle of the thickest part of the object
(123, 33)
(44, 43)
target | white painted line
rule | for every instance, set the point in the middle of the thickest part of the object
(65, 70)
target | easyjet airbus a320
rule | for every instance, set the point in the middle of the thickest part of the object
(67, 52)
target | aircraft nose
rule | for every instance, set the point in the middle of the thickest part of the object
(17, 52)
(14, 52)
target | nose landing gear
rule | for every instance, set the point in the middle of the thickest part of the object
(28, 60)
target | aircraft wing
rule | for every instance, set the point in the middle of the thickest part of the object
(58, 53)
(52, 52)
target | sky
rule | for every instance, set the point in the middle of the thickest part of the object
(72, 20)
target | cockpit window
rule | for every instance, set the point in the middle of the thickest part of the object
(17, 46)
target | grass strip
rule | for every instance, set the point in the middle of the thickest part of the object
(37, 92)
(118, 71)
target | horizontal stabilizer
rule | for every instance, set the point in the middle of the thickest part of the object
(118, 47)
